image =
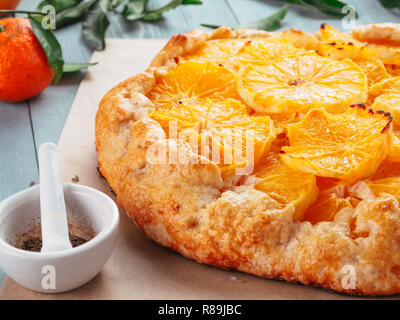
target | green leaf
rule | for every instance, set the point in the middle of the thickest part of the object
(269, 23)
(192, 2)
(104, 5)
(135, 9)
(59, 5)
(50, 45)
(304, 4)
(73, 67)
(390, 4)
(96, 23)
(116, 3)
(331, 8)
(73, 14)
(157, 14)
(211, 26)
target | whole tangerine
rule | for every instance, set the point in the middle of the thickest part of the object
(24, 68)
(8, 5)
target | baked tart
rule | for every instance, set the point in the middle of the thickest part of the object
(276, 154)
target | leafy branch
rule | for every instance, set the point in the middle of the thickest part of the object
(269, 23)
(331, 8)
(94, 14)
(53, 49)
(390, 4)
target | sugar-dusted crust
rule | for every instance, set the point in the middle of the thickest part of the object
(185, 207)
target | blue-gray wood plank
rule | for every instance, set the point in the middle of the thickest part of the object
(24, 126)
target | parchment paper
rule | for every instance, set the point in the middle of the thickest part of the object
(138, 268)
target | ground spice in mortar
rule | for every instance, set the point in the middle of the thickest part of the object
(34, 244)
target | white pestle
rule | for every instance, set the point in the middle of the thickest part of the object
(53, 212)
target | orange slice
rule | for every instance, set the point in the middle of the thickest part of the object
(327, 206)
(393, 70)
(394, 151)
(221, 51)
(262, 51)
(191, 83)
(300, 83)
(339, 45)
(389, 102)
(225, 133)
(231, 53)
(389, 185)
(347, 146)
(242, 143)
(334, 196)
(387, 86)
(298, 38)
(387, 169)
(374, 70)
(285, 185)
(281, 120)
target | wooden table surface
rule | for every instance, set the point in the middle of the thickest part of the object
(26, 125)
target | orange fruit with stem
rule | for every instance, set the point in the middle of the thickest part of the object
(24, 68)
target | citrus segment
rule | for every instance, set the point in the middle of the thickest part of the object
(285, 185)
(300, 83)
(347, 146)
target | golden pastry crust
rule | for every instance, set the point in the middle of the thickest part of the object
(388, 33)
(185, 206)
